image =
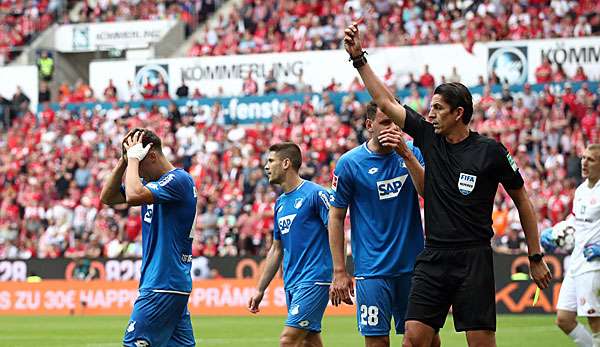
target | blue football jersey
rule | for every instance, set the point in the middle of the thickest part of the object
(386, 229)
(301, 224)
(167, 233)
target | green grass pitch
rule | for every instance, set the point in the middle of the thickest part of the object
(251, 331)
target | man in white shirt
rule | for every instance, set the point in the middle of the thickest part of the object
(578, 294)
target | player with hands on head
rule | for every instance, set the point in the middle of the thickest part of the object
(300, 241)
(462, 173)
(160, 316)
(372, 181)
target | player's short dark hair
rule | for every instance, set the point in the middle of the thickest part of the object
(371, 110)
(372, 107)
(290, 151)
(149, 137)
(457, 95)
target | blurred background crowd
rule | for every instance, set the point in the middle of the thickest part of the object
(53, 162)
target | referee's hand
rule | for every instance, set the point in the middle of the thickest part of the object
(352, 39)
(341, 289)
(540, 273)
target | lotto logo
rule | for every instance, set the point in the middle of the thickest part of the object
(390, 188)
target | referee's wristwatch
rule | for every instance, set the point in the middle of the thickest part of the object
(537, 257)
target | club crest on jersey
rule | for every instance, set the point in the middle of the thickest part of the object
(298, 203)
(284, 223)
(466, 183)
(389, 189)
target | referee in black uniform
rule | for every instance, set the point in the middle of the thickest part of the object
(462, 172)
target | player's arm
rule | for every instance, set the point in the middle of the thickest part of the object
(341, 286)
(539, 270)
(273, 262)
(111, 191)
(136, 194)
(382, 96)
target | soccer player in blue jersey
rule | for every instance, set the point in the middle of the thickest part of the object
(168, 198)
(300, 240)
(372, 180)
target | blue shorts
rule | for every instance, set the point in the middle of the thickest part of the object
(159, 319)
(380, 299)
(306, 306)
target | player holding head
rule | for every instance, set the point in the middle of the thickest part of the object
(168, 198)
(462, 173)
(372, 180)
(582, 280)
(300, 239)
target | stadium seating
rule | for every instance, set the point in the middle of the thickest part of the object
(52, 166)
(20, 22)
(260, 26)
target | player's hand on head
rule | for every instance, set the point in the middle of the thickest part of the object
(254, 302)
(342, 289)
(135, 148)
(591, 251)
(540, 273)
(352, 39)
(392, 137)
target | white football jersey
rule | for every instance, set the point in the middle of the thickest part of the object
(586, 209)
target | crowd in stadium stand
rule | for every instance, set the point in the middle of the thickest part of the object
(20, 21)
(259, 26)
(187, 11)
(53, 164)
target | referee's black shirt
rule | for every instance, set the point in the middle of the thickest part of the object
(460, 184)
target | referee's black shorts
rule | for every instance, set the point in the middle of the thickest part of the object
(461, 278)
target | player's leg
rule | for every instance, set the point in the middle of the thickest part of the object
(153, 319)
(474, 304)
(418, 334)
(183, 335)
(402, 286)
(587, 285)
(306, 306)
(429, 299)
(292, 337)
(312, 339)
(374, 298)
(566, 316)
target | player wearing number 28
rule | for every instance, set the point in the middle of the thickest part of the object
(168, 198)
(375, 182)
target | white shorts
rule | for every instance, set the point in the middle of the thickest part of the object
(580, 294)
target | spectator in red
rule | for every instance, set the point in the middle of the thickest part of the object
(147, 90)
(75, 250)
(110, 92)
(250, 87)
(426, 80)
(543, 74)
(560, 75)
(569, 98)
(133, 226)
(580, 75)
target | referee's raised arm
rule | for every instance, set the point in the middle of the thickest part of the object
(382, 96)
